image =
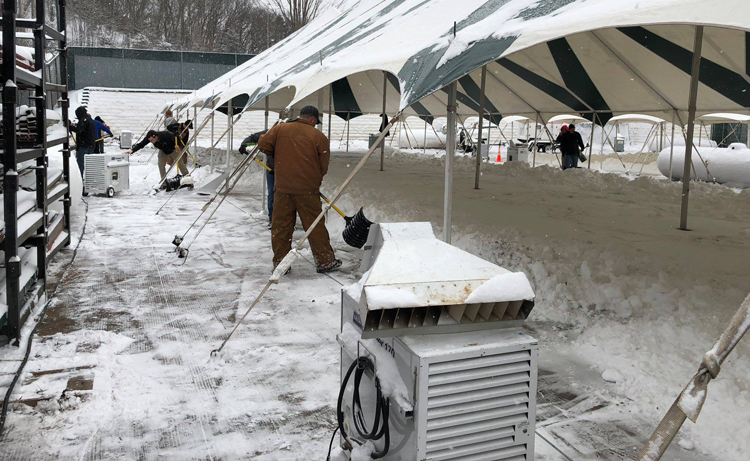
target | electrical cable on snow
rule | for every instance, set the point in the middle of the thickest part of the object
(16, 377)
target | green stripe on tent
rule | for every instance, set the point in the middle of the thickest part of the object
(550, 88)
(424, 114)
(577, 79)
(729, 84)
(475, 92)
(344, 103)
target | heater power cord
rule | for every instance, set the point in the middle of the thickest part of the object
(17, 376)
(380, 428)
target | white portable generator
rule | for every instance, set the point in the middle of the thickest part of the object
(106, 173)
(431, 341)
(126, 139)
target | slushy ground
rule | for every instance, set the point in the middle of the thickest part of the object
(120, 368)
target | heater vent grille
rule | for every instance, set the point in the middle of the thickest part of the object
(438, 316)
(95, 172)
(476, 405)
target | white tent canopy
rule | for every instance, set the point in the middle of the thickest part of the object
(548, 57)
(636, 118)
(711, 119)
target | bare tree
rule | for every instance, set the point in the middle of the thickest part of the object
(297, 13)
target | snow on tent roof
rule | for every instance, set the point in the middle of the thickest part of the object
(709, 119)
(543, 56)
(636, 118)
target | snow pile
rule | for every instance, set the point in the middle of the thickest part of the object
(391, 383)
(612, 376)
(503, 287)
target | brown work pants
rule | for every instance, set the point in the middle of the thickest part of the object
(285, 210)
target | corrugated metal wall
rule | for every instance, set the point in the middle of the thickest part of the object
(169, 70)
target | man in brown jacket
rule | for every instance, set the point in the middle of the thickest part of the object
(301, 154)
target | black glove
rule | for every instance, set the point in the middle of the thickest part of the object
(243, 149)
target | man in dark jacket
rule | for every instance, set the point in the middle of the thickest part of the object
(253, 140)
(168, 150)
(301, 155)
(85, 139)
(571, 145)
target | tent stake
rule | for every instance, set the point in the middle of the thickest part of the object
(450, 152)
(481, 125)
(694, 79)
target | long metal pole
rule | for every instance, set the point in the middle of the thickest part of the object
(263, 175)
(536, 139)
(482, 88)
(211, 153)
(230, 116)
(385, 101)
(671, 146)
(694, 80)
(195, 123)
(591, 142)
(330, 109)
(348, 116)
(450, 153)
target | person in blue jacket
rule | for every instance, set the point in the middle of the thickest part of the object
(99, 127)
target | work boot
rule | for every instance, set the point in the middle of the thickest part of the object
(334, 266)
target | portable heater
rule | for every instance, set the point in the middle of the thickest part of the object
(106, 173)
(126, 139)
(465, 395)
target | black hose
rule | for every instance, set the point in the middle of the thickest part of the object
(380, 428)
(17, 376)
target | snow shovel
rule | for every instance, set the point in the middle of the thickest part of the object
(357, 227)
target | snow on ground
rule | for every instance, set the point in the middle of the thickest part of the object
(121, 368)
(618, 287)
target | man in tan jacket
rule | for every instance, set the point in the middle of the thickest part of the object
(301, 154)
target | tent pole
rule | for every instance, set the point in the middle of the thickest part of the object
(536, 139)
(211, 153)
(382, 146)
(330, 109)
(481, 125)
(671, 147)
(348, 116)
(591, 143)
(450, 152)
(424, 146)
(230, 116)
(195, 123)
(694, 79)
(263, 175)
(489, 138)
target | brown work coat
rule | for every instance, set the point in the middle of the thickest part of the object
(301, 155)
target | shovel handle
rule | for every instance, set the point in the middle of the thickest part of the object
(336, 208)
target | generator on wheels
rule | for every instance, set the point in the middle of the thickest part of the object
(436, 332)
(106, 173)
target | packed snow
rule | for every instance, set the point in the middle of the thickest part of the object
(503, 287)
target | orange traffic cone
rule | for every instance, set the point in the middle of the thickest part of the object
(499, 156)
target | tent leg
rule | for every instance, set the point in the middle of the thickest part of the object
(671, 147)
(424, 146)
(591, 143)
(348, 116)
(481, 126)
(213, 106)
(330, 109)
(694, 79)
(450, 152)
(195, 123)
(230, 116)
(382, 146)
(263, 175)
(536, 139)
